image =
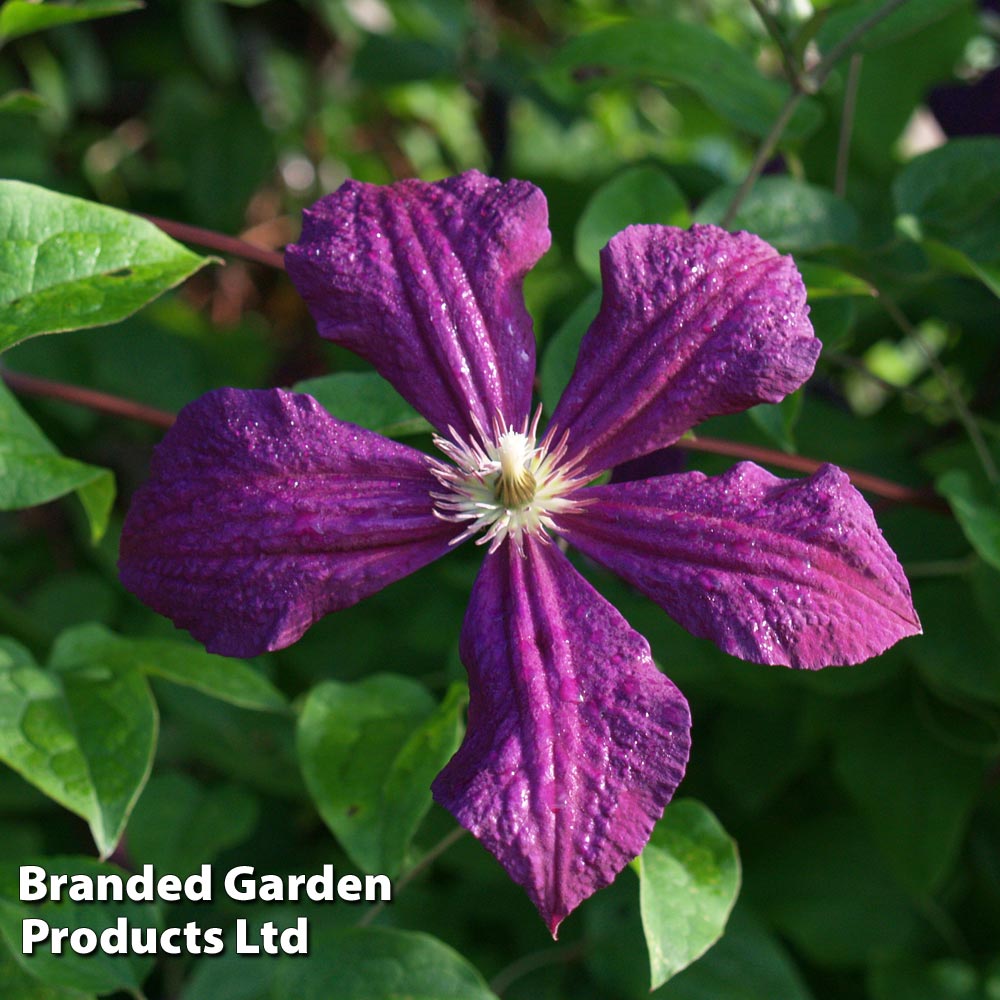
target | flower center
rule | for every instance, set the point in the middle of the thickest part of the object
(503, 484)
(516, 484)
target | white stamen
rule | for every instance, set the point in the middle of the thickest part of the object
(504, 483)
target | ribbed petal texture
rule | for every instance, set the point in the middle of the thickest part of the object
(777, 571)
(424, 280)
(693, 323)
(575, 741)
(263, 513)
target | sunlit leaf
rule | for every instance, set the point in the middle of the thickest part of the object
(22, 17)
(689, 877)
(825, 282)
(365, 399)
(83, 737)
(182, 663)
(33, 472)
(66, 263)
(21, 102)
(637, 195)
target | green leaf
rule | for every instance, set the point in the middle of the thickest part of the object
(179, 825)
(958, 652)
(255, 748)
(962, 264)
(95, 973)
(790, 214)
(778, 420)
(22, 17)
(21, 102)
(676, 52)
(824, 886)
(832, 319)
(369, 752)
(915, 791)
(825, 282)
(636, 195)
(17, 984)
(561, 352)
(376, 964)
(66, 263)
(230, 976)
(365, 399)
(689, 878)
(212, 39)
(978, 516)
(32, 472)
(911, 17)
(229, 680)
(893, 82)
(84, 738)
(951, 195)
(747, 964)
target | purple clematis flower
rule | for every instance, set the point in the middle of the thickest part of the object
(264, 513)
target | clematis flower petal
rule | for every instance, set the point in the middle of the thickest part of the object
(693, 323)
(575, 741)
(263, 513)
(424, 280)
(794, 572)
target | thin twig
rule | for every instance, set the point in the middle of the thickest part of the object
(780, 39)
(847, 124)
(30, 385)
(962, 411)
(885, 488)
(763, 154)
(825, 66)
(408, 876)
(801, 86)
(942, 567)
(218, 241)
(106, 403)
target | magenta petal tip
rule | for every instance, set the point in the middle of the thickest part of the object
(575, 743)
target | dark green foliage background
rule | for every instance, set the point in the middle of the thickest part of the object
(865, 801)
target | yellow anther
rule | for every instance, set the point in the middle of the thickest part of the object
(516, 488)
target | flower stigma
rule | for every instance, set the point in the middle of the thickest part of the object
(503, 484)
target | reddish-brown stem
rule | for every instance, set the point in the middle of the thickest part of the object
(29, 385)
(218, 241)
(896, 492)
